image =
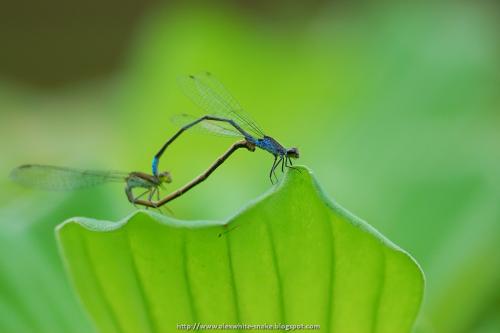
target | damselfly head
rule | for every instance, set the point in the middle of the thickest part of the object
(292, 152)
(165, 177)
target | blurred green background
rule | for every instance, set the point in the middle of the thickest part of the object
(395, 107)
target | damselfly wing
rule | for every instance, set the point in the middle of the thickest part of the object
(55, 178)
(211, 96)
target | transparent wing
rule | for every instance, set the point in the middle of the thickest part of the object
(211, 127)
(211, 95)
(55, 178)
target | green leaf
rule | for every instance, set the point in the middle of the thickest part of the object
(291, 257)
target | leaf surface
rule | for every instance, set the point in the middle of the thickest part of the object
(292, 257)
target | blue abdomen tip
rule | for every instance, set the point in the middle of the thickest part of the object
(155, 166)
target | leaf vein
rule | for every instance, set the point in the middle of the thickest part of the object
(331, 279)
(277, 272)
(100, 290)
(378, 298)
(142, 291)
(189, 291)
(232, 280)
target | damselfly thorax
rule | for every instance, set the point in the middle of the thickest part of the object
(269, 144)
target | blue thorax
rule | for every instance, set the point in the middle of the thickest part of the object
(269, 144)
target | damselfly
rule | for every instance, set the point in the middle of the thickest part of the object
(225, 117)
(54, 178)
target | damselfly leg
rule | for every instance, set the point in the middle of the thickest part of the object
(158, 199)
(289, 165)
(278, 160)
(271, 173)
(138, 197)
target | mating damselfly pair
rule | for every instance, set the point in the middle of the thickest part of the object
(224, 116)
